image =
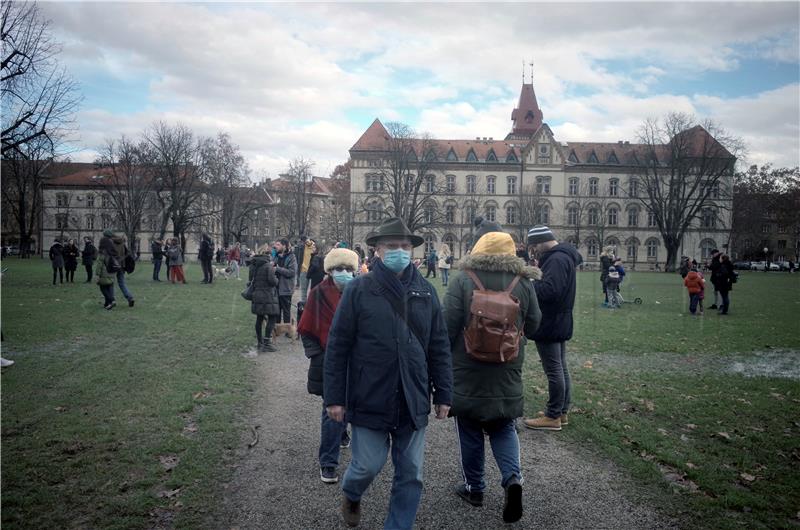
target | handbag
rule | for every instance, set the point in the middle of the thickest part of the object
(247, 293)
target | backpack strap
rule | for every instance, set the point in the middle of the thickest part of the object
(513, 283)
(475, 279)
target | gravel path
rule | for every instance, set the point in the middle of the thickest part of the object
(276, 483)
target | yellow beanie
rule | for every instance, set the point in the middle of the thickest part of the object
(495, 243)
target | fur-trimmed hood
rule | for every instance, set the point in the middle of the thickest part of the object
(500, 263)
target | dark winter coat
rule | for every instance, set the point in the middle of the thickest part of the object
(316, 271)
(71, 254)
(372, 353)
(206, 251)
(482, 391)
(556, 292)
(89, 254)
(157, 251)
(265, 299)
(174, 255)
(106, 246)
(120, 248)
(605, 263)
(715, 267)
(57, 256)
(286, 270)
(726, 277)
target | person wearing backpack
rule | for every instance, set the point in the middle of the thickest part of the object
(123, 255)
(490, 309)
(556, 295)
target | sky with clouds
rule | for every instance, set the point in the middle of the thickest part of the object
(304, 79)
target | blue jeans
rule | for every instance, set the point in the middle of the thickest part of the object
(108, 293)
(369, 450)
(330, 437)
(122, 287)
(693, 300)
(156, 268)
(505, 448)
(445, 276)
(559, 384)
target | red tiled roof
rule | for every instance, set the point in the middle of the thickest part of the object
(527, 117)
(481, 148)
(373, 139)
(84, 177)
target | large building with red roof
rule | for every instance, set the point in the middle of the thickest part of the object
(586, 191)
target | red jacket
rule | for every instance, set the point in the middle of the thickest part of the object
(694, 282)
(233, 254)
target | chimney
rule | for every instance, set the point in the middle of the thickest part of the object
(491, 139)
(619, 142)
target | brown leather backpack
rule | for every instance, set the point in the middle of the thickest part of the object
(491, 334)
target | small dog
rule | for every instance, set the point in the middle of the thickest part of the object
(225, 272)
(289, 330)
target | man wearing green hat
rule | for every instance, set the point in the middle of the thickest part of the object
(388, 352)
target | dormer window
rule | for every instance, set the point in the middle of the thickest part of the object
(572, 158)
(451, 156)
(511, 157)
(593, 159)
(491, 157)
(471, 156)
(612, 159)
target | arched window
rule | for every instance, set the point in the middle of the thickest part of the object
(613, 187)
(450, 213)
(491, 213)
(651, 219)
(450, 241)
(593, 185)
(490, 184)
(573, 186)
(90, 222)
(105, 219)
(632, 247)
(573, 216)
(511, 215)
(633, 216)
(430, 243)
(374, 183)
(511, 184)
(543, 185)
(471, 184)
(652, 248)
(591, 247)
(613, 216)
(706, 246)
(429, 213)
(593, 216)
(451, 183)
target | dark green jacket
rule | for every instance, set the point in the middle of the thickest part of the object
(487, 391)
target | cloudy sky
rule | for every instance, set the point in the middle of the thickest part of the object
(289, 80)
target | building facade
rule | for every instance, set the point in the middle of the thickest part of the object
(587, 192)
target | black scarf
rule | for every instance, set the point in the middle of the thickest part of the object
(396, 285)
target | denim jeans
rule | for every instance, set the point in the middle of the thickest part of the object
(554, 362)
(108, 293)
(505, 448)
(330, 438)
(303, 286)
(156, 268)
(726, 302)
(693, 300)
(369, 449)
(445, 276)
(122, 287)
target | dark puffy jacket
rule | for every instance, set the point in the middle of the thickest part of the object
(370, 351)
(316, 271)
(157, 250)
(605, 263)
(71, 253)
(556, 292)
(89, 254)
(57, 255)
(206, 251)
(726, 277)
(486, 391)
(265, 298)
(715, 266)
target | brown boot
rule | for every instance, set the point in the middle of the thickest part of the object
(544, 424)
(351, 512)
(564, 420)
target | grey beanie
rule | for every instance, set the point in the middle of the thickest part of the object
(108, 232)
(540, 234)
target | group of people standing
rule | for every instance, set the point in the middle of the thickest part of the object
(383, 347)
(64, 258)
(723, 276)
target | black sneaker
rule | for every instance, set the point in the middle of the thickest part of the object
(351, 512)
(328, 475)
(713, 306)
(131, 302)
(512, 509)
(475, 498)
(345, 443)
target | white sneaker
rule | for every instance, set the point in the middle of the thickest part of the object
(5, 362)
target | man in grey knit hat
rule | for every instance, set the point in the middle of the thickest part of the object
(556, 295)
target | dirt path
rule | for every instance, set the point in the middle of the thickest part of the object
(276, 484)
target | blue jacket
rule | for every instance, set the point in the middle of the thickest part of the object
(556, 292)
(371, 354)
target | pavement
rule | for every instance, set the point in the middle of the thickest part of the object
(276, 483)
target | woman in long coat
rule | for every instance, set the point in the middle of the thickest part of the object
(71, 253)
(57, 261)
(264, 304)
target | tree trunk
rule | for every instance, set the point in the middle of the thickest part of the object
(672, 255)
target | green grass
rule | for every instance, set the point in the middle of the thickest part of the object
(96, 398)
(653, 390)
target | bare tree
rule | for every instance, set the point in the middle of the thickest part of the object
(680, 164)
(130, 182)
(227, 173)
(24, 173)
(295, 198)
(409, 176)
(38, 98)
(534, 209)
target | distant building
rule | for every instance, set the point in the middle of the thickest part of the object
(586, 191)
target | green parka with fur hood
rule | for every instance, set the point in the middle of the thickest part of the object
(486, 391)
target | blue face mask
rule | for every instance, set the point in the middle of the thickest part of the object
(397, 259)
(342, 277)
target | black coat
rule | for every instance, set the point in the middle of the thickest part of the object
(89, 254)
(157, 251)
(716, 272)
(265, 296)
(206, 252)
(371, 354)
(316, 357)
(725, 277)
(71, 254)
(57, 256)
(316, 271)
(556, 292)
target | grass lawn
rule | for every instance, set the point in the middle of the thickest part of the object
(118, 419)
(669, 396)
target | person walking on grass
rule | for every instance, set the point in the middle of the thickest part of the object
(234, 255)
(175, 259)
(445, 262)
(71, 254)
(105, 280)
(556, 295)
(488, 396)
(695, 284)
(715, 267)
(123, 253)
(205, 255)
(88, 257)
(157, 250)
(725, 283)
(285, 270)
(387, 352)
(265, 300)
(315, 324)
(430, 263)
(57, 261)
(606, 261)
